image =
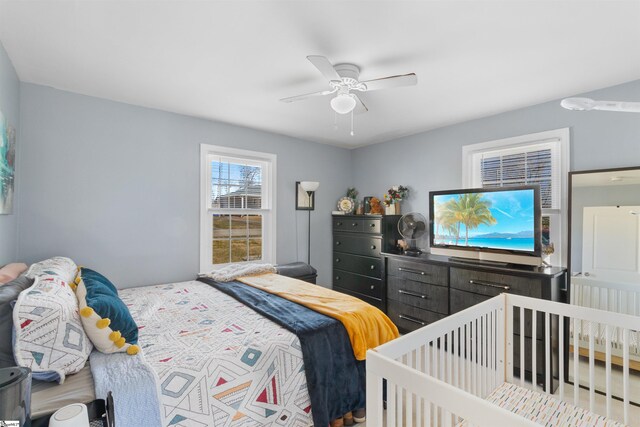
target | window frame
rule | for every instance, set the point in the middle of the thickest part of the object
(558, 139)
(268, 162)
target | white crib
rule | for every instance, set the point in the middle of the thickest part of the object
(461, 369)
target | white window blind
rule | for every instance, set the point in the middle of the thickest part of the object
(526, 165)
(235, 184)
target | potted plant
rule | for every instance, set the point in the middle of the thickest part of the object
(392, 199)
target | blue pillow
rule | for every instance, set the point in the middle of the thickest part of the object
(106, 319)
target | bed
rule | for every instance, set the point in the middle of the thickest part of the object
(222, 362)
(459, 371)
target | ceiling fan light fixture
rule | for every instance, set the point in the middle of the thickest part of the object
(578, 104)
(343, 103)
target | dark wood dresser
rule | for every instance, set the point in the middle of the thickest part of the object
(358, 265)
(424, 289)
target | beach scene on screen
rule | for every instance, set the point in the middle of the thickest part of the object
(498, 220)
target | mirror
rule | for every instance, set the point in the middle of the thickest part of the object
(604, 264)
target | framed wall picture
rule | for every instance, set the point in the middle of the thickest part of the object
(303, 201)
(7, 165)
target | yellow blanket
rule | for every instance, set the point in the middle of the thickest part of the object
(367, 326)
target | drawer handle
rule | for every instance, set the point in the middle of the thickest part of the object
(338, 224)
(355, 224)
(373, 267)
(411, 319)
(338, 243)
(408, 270)
(372, 225)
(491, 285)
(337, 259)
(413, 294)
(337, 277)
(373, 246)
(373, 286)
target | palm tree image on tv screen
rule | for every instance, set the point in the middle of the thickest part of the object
(499, 220)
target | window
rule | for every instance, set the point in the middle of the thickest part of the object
(238, 214)
(542, 159)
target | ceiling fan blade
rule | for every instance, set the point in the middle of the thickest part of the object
(360, 107)
(391, 82)
(325, 67)
(306, 96)
(626, 107)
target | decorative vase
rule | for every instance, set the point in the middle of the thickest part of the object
(393, 209)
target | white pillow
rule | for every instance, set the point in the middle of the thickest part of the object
(49, 337)
(59, 266)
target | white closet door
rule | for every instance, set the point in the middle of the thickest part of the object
(611, 243)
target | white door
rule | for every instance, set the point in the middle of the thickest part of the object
(611, 243)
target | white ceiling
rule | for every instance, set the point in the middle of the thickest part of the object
(232, 60)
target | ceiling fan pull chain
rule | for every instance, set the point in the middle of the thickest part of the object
(335, 120)
(352, 123)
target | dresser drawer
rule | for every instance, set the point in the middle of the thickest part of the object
(358, 264)
(418, 294)
(362, 284)
(373, 301)
(358, 245)
(461, 300)
(409, 318)
(372, 225)
(347, 224)
(492, 284)
(418, 271)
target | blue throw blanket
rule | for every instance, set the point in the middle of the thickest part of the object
(335, 379)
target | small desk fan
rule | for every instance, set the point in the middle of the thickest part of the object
(412, 226)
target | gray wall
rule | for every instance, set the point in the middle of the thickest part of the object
(116, 187)
(10, 107)
(433, 160)
(610, 195)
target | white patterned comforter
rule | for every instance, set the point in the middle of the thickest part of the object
(219, 362)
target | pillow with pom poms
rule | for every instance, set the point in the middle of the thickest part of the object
(106, 319)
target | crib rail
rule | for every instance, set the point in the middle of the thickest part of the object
(439, 375)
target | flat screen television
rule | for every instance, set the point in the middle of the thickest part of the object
(492, 224)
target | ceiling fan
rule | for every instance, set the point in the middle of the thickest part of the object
(587, 104)
(343, 81)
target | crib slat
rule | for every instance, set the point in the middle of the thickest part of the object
(420, 400)
(607, 366)
(374, 391)
(625, 373)
(576, 371)
(522, 336)
(467, 359)
(409, 396)
(534, 359)
(561, 355)
(547, 351)
(592, 380)
(450, 357)
(391, 403)
(474, 381)
(483, 348)
(400, 399)
(455, 359)
(492, 352)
